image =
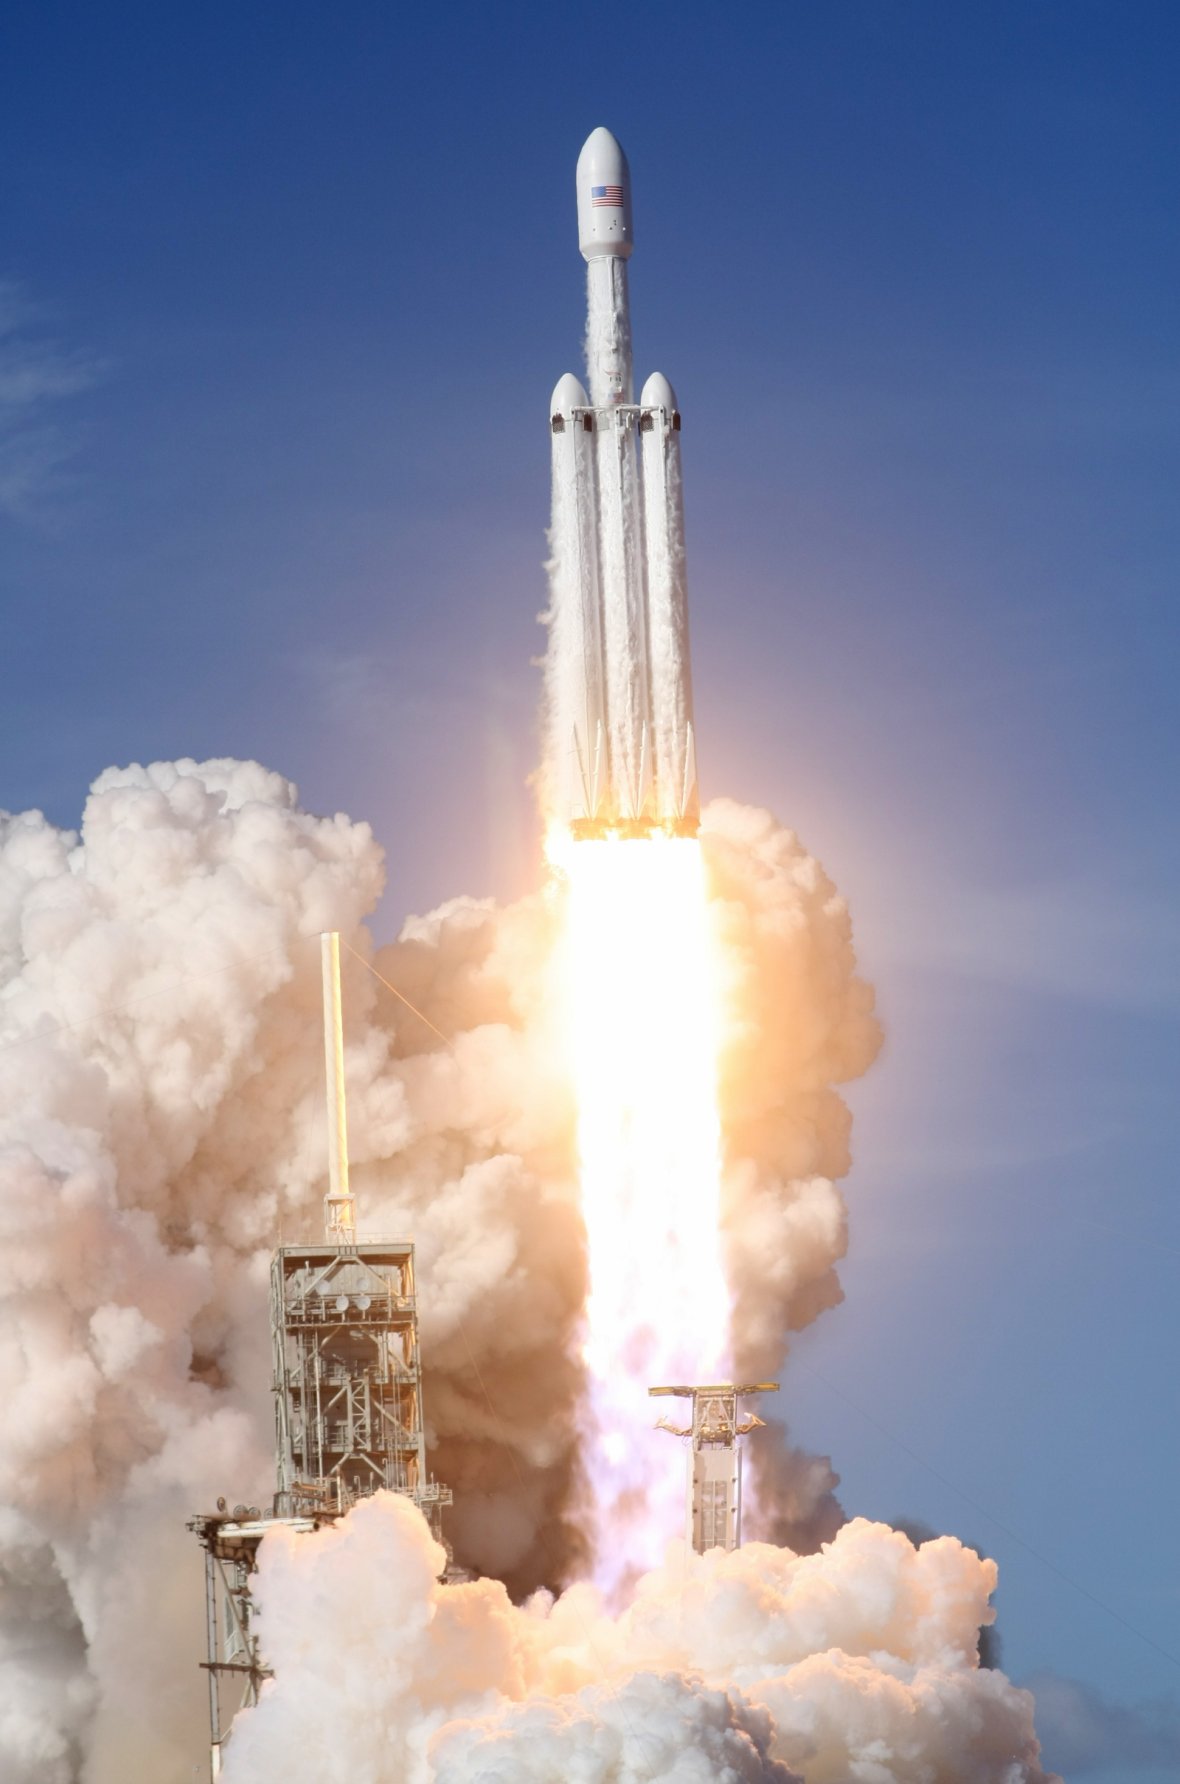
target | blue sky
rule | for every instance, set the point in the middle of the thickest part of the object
(285, 293)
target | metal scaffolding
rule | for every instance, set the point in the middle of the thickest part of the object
(347, 1378)
(235, 1665)
(713, 1510)
(347, 1388)
(348, 1423)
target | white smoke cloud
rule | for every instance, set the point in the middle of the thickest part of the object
(856, 1663)
(162, 1125)
(798, 1022)
(155, 991)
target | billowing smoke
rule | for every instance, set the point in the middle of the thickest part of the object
(162, 1126)
(761, 1665)
(798, 1022)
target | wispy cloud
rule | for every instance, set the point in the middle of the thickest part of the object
(378, 693)
(1081, 1731)
(1112, 943)
(1105, 934)
(371, 694)
(37, 374)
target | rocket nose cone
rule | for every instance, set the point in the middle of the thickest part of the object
(568, 394)
(604, 197)
(602, 156)
(657, 393)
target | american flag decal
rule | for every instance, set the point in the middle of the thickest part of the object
(608, 195)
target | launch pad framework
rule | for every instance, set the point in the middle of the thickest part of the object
(347, 1384)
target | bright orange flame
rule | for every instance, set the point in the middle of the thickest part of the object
(644, 1036)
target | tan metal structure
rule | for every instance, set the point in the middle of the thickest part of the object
(713, 1510)
(347, 1386)
(347, 1377)
(235, 1666)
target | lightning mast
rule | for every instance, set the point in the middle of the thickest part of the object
(339, 1205)
(714, 1500)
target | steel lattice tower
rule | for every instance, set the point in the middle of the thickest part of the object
(713, 1511)
(347, 1382)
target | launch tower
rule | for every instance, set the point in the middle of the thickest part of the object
(347, 1379)
(714, 1500)
(348, 1401)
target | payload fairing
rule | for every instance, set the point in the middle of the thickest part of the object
(622, 754)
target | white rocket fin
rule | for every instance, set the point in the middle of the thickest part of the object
(588, 807)
(596, 783)
(690, 769)
(644, 786)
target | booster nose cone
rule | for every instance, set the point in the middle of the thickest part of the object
(568, 395)
(657, 393)
(604, 197)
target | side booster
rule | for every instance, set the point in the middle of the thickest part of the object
(621, 682)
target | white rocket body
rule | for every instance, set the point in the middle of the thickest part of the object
(622, 755)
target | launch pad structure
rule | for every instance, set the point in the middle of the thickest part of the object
(347, 1384)
(713, 1509)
